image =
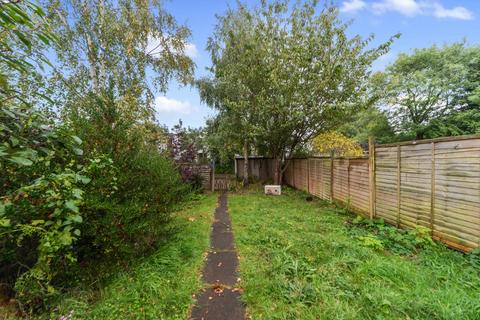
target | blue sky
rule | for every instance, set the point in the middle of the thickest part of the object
(421, 23)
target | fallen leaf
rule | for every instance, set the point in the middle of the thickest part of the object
(218, 290)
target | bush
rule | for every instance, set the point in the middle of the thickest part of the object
(376, 234)
(133, 219)
(61, 208)
(42, 190)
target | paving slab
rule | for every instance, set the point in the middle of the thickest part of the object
(218, 304)
(221, 268)
(219, 226)
(222, 241)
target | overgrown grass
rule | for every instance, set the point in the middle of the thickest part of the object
(305, 260)
(161, 285)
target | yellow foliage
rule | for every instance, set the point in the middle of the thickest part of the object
(333, 141)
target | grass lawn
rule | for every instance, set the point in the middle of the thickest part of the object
(304, 260)
(161, 285)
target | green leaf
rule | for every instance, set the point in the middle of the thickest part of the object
(23, 38)
(76, 232)
(78, 151)
(14, 141)
(37, 222)
(70, 205)
(21, 161)
(83, 179)
(77, 193)
(77, 140)
(4, 223)
(76, 218)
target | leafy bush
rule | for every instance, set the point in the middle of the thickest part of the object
(43, 189)
(376, 234)
(136, 216)
(147, 182)
(59, 206)
(371, 241)
(90, 184)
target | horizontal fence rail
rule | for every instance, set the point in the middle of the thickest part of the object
(430, 183)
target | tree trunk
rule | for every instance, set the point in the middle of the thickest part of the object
(92, 64)
(277, 171)
(245, 164)
(91, 53)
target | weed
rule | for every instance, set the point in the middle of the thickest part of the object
(398, 241)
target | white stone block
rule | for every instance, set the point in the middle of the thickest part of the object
(273, 190)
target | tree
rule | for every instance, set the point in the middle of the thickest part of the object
(283, 74)
(24, 32)
(318, 76)
(113, 56)
(336, 143)
(428, 84)
(370, 122)
(238, 78)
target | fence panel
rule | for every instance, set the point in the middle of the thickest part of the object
(316, 177)
(340, 180)
(386, 183)
(359, 185)
(415, 185)
(431, 183)
(456, 218)
(301, 174)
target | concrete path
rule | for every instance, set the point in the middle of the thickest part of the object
(218, 300)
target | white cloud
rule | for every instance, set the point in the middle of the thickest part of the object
(167, 105)
(412, 8)
(191, 50)
(456, 13)
(352, 6)
(405, 7)
(155, 46)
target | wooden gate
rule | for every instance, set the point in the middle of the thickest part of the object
(222, 182)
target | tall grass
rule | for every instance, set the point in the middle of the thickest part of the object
(302, 260)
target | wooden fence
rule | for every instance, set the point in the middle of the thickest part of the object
(430, 183)
(258, 167)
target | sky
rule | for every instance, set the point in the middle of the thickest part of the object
(421, 23)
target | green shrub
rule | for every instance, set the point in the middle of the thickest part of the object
(60, 208)
(377, 234)
(42, 190)
(133, 219)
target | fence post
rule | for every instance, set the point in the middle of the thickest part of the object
(308, 175)
(348, 179)
(432, 191)
(213, 177)
(371, 175)
(399, 170)
(294, 185)
(332, 155)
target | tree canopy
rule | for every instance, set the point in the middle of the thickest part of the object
(287, 73)
(427, 85)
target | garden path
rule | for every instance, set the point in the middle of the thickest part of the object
(220, 300)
